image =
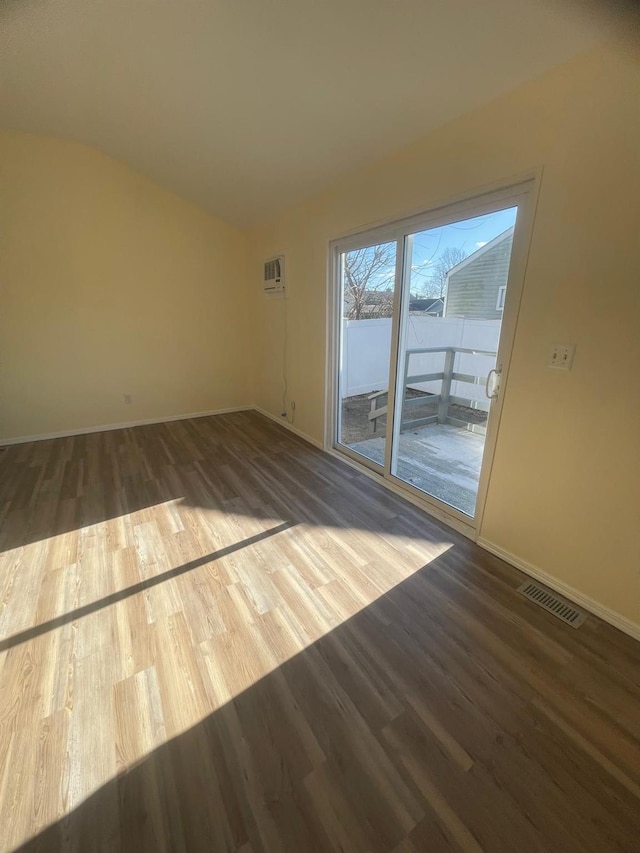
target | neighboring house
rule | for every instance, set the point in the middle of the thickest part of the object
(372, 305)
(430, 306)
(376, 304)
(476, 287)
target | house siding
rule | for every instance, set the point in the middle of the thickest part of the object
(472, 292)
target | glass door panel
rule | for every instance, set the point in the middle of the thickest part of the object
(454, 290)
(367, 277)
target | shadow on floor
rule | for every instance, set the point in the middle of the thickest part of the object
(240, 462)
(413, 719)
(135, 589)
(402, 723)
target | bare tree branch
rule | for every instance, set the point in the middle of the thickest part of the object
(435, 282)
(368, 282)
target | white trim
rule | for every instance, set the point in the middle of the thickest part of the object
(23, 439)
(402, 274)
(284, 423)
(518, 263)
(611, 616)
(384, 230)
(332, 336)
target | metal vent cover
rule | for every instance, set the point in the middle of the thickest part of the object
(272, 270)
(559, 607)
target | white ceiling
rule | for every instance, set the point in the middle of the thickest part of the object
(247, 106)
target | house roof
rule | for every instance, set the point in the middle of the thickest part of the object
(430, 304)
(375, 297)
(482, 251)
(247, 108)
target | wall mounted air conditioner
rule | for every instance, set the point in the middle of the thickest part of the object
(273, 281)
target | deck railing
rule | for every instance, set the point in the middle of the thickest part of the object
(443, 400)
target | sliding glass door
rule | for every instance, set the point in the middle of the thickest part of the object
(450, 322)
(367, 284)
(426, 312)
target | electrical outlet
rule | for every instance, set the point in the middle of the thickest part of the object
(561, 356)
(128, 399)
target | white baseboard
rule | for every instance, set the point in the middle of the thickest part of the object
(4, 442)
(283, 422)
(611, 616)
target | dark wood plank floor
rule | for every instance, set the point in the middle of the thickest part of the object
(214, 637)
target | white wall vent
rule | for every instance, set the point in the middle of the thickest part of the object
(273, 281)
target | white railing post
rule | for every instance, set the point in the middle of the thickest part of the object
(445, 392)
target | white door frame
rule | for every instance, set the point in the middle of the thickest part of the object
(523, 193)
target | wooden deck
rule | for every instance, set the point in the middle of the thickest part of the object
(440, 459)
(213, 637)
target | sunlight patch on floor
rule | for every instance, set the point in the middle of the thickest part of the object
(132, 644)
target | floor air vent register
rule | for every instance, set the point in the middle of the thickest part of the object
(559, 607)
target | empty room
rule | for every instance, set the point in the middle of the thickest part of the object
(319, 426)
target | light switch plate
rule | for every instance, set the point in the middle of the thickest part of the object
(561, 356)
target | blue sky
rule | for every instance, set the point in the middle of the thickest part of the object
(468, 235)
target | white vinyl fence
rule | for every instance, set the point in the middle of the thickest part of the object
(367, 345)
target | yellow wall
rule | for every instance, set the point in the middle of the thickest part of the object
(564, 491)
(110, 285)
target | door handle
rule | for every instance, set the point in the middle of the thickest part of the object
(497, 372)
